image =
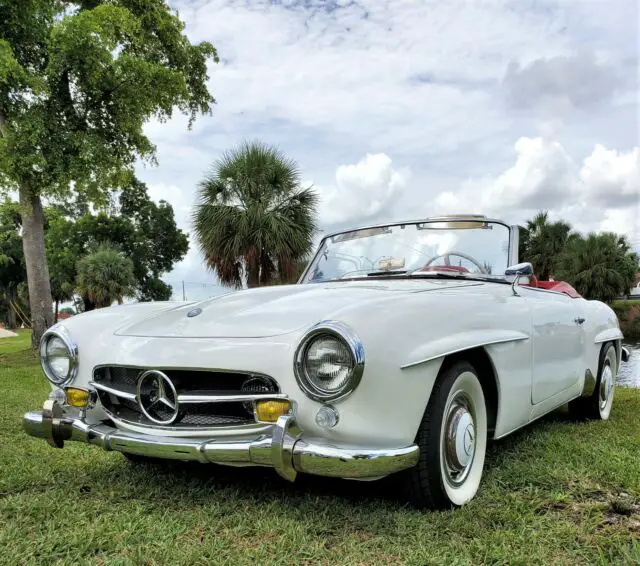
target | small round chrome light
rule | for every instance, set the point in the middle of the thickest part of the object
(329, 361)
(59, 356)
(327, 417)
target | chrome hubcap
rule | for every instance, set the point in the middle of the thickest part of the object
(606, 385)
(460, 440)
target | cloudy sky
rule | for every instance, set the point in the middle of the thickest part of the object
(410, 108)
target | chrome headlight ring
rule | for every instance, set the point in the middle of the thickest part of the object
(63, 334)
(343, 333)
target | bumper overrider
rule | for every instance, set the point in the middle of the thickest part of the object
(285, 449)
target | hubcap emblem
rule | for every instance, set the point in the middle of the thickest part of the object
(468, 440)
(157, 397)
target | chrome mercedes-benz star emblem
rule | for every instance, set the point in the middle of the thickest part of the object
(157, 397)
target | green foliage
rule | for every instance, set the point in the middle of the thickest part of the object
(144, 231)
(78, 80)
(628, 313)
(12, 267)
(254, 220)
(600, 266)
(105, 276)
(542, 241)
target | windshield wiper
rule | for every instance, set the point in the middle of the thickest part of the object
(378, 273)
(450, 275)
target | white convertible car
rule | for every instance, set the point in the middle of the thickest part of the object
(402, 350)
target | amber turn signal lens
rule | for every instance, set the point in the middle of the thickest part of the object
(269, 411)
(77, 397)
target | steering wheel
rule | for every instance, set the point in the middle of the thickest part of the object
(447, 263)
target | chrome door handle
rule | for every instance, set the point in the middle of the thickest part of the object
(579, 320)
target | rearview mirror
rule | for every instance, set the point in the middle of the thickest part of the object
(522, 269)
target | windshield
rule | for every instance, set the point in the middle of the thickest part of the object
(471, 248)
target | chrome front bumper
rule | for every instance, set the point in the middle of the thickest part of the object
(285, 449)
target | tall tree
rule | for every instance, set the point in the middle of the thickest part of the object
(78, 80)
(105, 276)
(600, 266)
(543, 242)
(254, 220)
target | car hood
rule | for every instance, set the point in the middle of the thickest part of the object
(272, 311)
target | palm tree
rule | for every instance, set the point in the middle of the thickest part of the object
(253, 219)
(544, 242)
(600, 266)
(105, 276)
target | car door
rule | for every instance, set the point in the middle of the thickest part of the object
(558, 338)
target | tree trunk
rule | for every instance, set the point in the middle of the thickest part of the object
(40, 301)
(253, 276)
(12, 296)
(55, 316)
(89, 305)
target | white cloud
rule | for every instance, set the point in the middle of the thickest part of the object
(600, 193)
(361, 191)
(612, 177)
(440, 89)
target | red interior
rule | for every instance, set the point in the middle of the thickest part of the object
(558, 286)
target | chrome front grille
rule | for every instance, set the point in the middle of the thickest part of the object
(202, 398)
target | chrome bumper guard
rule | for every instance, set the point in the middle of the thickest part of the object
(285, 450)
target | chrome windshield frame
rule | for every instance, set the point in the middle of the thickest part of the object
(513, 257)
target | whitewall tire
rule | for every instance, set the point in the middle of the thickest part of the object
(452, 439)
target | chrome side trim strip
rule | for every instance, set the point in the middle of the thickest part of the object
(116, 392)
(229, 398)
(465, 347)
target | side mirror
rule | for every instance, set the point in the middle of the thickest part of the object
(522, 269)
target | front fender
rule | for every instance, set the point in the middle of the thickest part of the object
(460, 341)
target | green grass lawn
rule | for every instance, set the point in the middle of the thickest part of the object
(555, 493)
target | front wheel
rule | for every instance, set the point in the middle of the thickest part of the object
(453, 440)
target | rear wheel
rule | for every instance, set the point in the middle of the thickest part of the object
(598, 405)
(452, 439)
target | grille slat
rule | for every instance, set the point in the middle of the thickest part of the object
(111, 380)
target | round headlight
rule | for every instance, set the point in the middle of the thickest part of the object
(58, 356)
(329, 362)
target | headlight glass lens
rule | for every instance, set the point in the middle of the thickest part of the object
(58, 358)
(328, 363)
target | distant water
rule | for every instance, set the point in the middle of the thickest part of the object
(629, 373)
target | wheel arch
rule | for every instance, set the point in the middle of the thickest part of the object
(480, 359)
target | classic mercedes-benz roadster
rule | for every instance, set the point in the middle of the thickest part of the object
(402, 349)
